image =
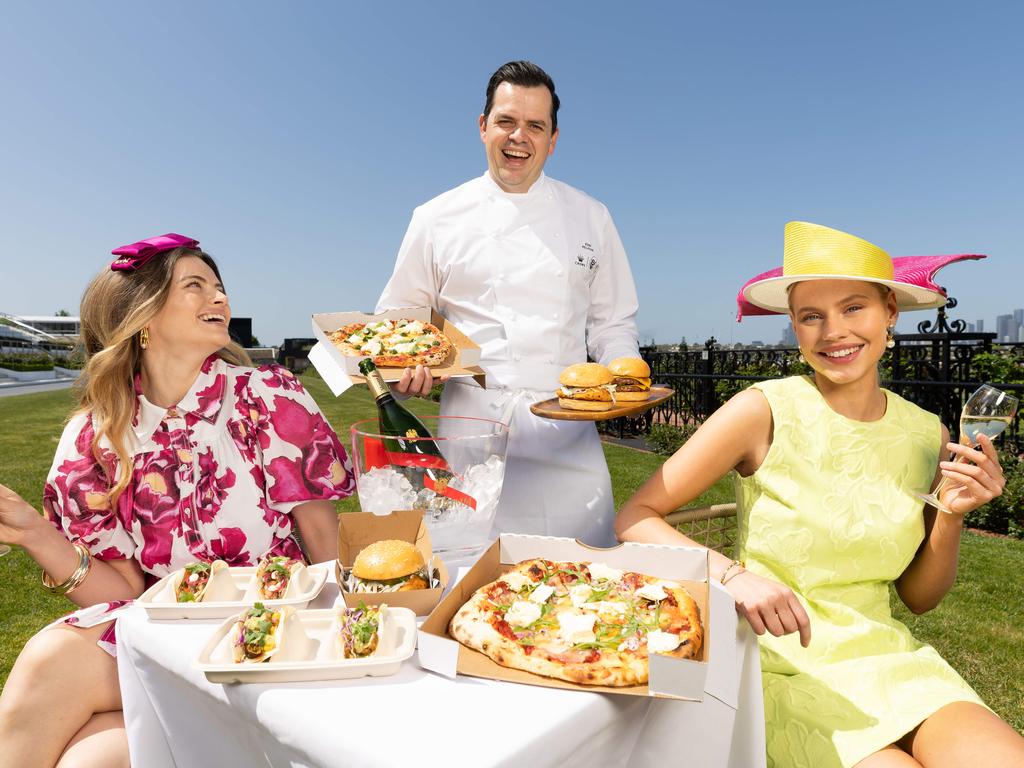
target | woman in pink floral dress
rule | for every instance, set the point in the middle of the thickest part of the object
(178, 453)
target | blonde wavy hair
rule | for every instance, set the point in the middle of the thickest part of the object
(116, 306)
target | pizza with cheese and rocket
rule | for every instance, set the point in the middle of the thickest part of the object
(582, 622)
(394, 343)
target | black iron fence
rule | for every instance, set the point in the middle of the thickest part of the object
(937, 368)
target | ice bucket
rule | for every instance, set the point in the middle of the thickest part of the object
(458, 492)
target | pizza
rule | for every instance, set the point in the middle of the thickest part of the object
(582, 622)
(394, 343)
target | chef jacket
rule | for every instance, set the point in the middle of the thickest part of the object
(538, 280)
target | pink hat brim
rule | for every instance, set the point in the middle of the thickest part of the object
(916, 272)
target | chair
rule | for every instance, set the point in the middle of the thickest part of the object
(715, 526)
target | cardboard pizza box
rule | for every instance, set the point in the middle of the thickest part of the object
(341, 371)
(357, 530)
(669, 678)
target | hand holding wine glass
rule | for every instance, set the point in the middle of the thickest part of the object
(975, 477)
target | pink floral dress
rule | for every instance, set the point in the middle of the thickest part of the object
(215, 477)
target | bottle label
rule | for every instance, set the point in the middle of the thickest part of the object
(377, 384)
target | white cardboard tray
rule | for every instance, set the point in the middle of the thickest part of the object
(227, 596)
(308, 651)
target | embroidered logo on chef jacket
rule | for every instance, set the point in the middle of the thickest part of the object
(587, 260)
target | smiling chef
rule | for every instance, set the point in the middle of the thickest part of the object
(534, 272)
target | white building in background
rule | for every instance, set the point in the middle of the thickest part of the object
(20, 337)
(55, 325)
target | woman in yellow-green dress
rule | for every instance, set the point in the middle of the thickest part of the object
(828, 466)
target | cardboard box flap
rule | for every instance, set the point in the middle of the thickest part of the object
(341, 371)
(357, 530)
(658, 560)
(724, 671)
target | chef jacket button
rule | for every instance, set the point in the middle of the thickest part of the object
(559, 273)
(512, 316)
(557, 234)
(556, 315)
(517, 357)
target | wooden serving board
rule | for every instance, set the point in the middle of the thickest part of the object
(550, 409)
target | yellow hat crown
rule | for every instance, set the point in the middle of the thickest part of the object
(811, 249)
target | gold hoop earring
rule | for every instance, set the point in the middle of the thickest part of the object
(144, 338)
(890, 337)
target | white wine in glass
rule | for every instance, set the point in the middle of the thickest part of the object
(988, 411)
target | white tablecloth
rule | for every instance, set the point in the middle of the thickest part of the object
(174, 717)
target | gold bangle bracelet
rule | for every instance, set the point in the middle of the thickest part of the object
(75, 580)
(727, 571)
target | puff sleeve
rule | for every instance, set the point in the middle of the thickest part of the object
(74, 498)
(302, 458)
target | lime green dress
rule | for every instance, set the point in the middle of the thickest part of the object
(831, 513)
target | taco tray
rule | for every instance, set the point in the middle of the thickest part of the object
(550, 409)
(308, 653)
(228, 596)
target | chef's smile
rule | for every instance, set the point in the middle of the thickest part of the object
(518, 135)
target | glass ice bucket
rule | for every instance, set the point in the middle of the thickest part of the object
(456, 480)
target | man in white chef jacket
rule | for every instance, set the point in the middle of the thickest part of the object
(534, 272)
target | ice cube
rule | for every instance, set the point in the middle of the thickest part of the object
(382, 490)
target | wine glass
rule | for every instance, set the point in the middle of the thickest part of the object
(4, 549)
(988, 411)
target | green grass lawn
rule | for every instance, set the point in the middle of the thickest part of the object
(979, 627)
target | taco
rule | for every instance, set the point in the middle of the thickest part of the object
(192, 582)
(257, 634)
(275, 575)
(359, 630)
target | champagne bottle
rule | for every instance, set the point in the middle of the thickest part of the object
(399, 425)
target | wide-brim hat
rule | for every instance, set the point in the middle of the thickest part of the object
(814, 252)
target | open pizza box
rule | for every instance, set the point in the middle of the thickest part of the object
(357, 530)
(669, 677)
(342, 371)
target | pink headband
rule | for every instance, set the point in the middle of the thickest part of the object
(132, 257)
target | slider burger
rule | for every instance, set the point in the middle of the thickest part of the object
(390, 565)
(632, 379)
(586, 387)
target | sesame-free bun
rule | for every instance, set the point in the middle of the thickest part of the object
(632, 397)
(585, 375)
(585, 405)
(633, 367)
(387, 559)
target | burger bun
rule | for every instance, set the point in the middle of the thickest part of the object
(634, 367)
(387, 559)
(585, 405)
(585, 375)
(632, 397)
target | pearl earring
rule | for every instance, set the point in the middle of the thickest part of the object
(890, 337)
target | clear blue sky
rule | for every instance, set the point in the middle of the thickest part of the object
(295, 138)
